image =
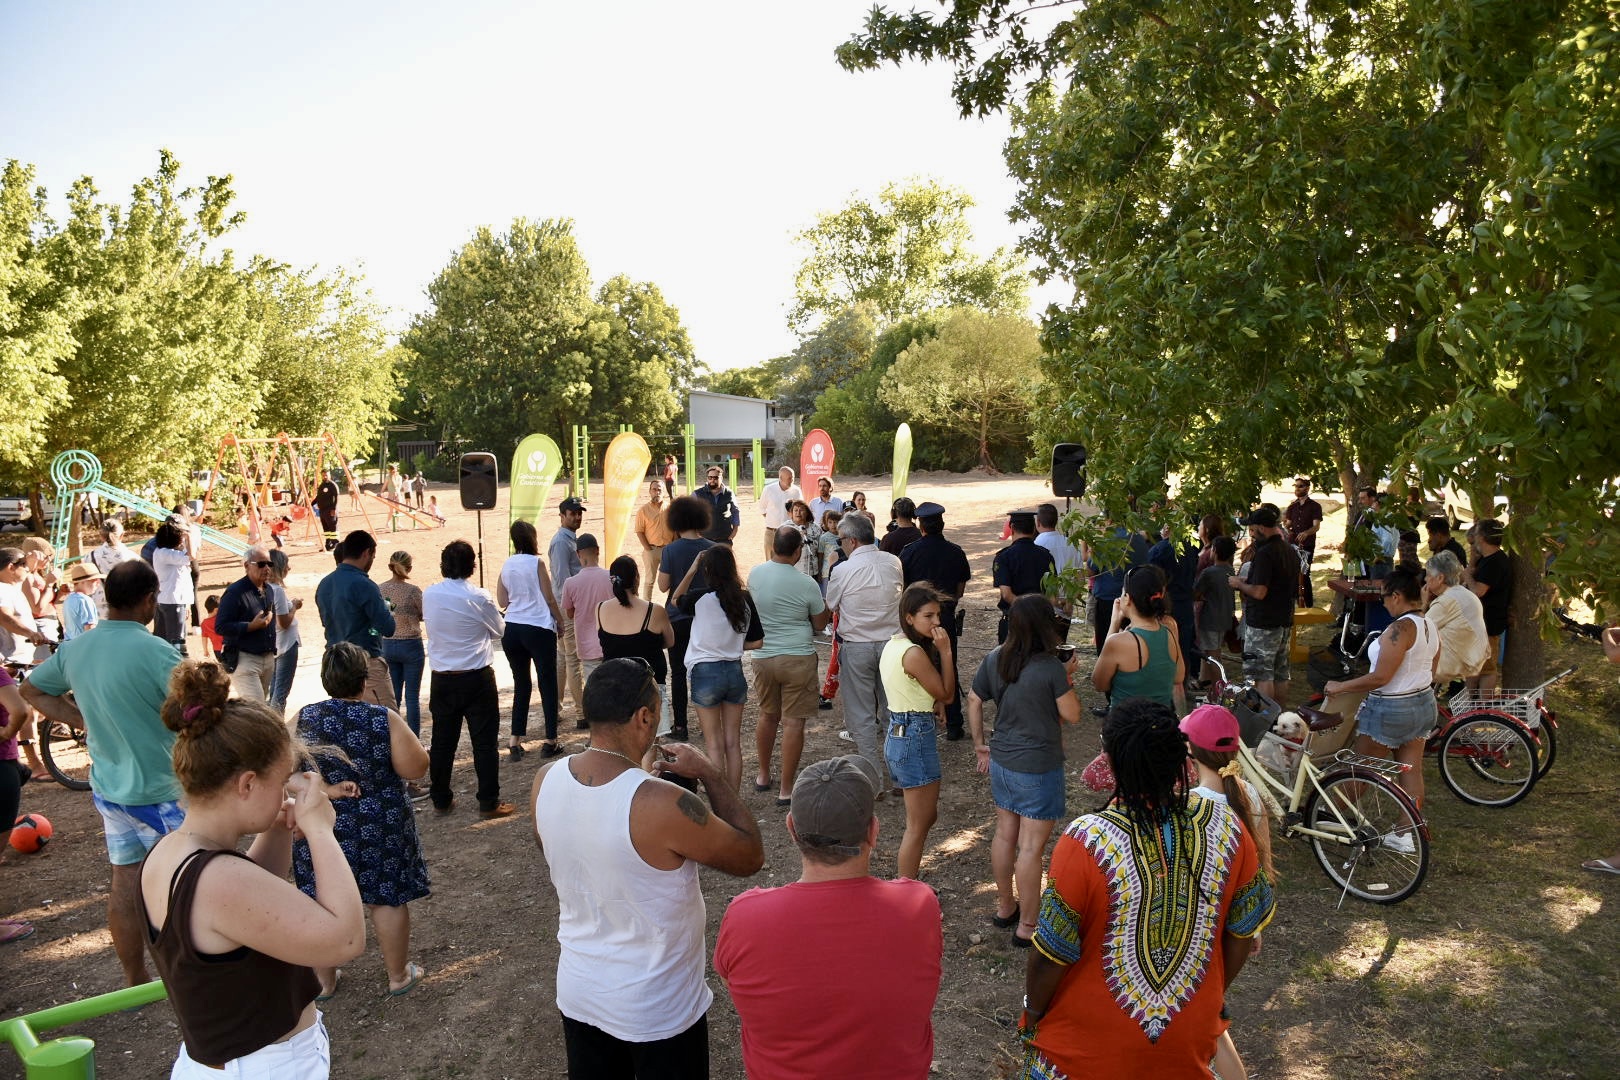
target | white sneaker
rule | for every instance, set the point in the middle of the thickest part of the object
(846, 736)
(1400, 842)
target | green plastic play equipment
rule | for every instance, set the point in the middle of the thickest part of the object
(78, 472)
(72, 1057)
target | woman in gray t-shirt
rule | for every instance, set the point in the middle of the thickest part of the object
(1034, 695)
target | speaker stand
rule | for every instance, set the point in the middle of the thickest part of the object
(480, 549)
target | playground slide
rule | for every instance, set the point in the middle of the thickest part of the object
(77, 472)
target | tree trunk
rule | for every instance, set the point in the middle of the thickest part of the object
(1526, 657)
(984, 444)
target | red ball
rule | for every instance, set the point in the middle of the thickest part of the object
(32, 832)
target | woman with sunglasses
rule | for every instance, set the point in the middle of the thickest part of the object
(1400, 711)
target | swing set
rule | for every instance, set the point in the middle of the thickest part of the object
(273, 486)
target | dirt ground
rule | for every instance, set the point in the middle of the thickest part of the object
(1504, 926)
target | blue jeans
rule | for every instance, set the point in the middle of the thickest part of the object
(404, 657)
(281, 679)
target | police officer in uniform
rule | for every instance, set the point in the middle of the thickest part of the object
(934, 559)
(1019, 566)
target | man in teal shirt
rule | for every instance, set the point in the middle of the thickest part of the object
(791, 610)
(118, 674)
(353, 609)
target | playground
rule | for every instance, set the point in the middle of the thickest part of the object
(1500, 966)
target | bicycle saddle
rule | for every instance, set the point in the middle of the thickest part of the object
(1318, 720)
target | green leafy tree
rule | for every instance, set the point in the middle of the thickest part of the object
(904, 253)
(862, 426)
(167, 355)
(760, 381)
(645, 363)
(36, 321)
(832, 355)
(506, 348)
(325, 360)
(975, 379)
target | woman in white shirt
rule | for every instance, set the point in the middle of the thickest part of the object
(524, 594)
(1458, 618)
(725, 624)
(171, 558)
(1400, 711)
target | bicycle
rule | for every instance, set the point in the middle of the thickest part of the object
(61, 747)
(1367, 834)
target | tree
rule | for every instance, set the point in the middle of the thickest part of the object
(759, 381)
(1357, 233)
(837, 351)
(166, 355)
(506, 348)
(36, 336)
(325, 361)
(904, 253)
(976, 378)
(862, 426)
(645, 363)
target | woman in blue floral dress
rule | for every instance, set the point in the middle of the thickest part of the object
(377, 831)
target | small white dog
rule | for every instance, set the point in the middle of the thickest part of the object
(1279, 757)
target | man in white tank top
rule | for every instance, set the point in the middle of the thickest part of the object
(622, 848)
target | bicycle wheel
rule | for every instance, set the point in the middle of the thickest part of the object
(1377, 847)
(1488, 760)
(66, 756)
(1545, 737)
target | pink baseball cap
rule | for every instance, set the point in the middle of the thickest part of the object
(1212, 727)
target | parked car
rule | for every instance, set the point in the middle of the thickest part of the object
(16, 513)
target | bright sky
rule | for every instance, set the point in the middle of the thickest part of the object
(688, 141)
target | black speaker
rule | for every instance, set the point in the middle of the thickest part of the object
(478, 477)
(1068, 470)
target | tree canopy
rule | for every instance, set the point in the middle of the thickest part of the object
(1360, 236)
(130, 331)
(903, 253)
(515, 343)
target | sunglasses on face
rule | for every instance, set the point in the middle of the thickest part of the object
(262, 564)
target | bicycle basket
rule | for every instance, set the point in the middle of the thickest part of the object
(1254, 711)
(1326, 665)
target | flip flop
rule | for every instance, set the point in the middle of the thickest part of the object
(415, 971)
(337, 981)
(782, 804)
(1600, 866)
(766, 786)
(14, 930)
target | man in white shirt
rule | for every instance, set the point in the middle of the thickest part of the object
(463, 625)
(865, 592)
(773, 504)
(112, 551)
(824, 501)
(1047, 536)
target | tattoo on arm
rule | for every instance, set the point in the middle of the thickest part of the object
(693, 808)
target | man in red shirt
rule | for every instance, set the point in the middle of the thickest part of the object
(866, 951)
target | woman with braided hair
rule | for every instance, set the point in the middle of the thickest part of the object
(226, 928)
(1151, 909)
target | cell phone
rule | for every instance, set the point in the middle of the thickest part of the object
(1065, 653)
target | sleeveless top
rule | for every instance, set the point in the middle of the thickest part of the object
(646, 644)
(903, 693)
(1417, 666)
(633, 955)
(1156, 678)
(208, 989)
(525, 603)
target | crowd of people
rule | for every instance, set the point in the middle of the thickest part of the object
(1135, 926)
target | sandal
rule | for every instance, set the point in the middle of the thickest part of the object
(766, 786)
(337, 980)
(14, 930)
(1023, 942)
(413, 975)
(1005, 922)
(1601, 866)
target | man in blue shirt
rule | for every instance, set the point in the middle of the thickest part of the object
(724, 517)
(352, 609)
(246, 622)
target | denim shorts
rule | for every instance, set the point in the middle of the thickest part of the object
(911, 750)
(1396, 721)
(717, 682)
(1037, 796)
(132, 831)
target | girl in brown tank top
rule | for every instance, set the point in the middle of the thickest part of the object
(235, 941)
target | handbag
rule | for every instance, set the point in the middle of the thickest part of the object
(229, 657)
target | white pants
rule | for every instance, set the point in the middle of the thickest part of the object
(251, 679)
(305, 1056)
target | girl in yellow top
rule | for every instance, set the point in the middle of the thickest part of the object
(919, 680)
